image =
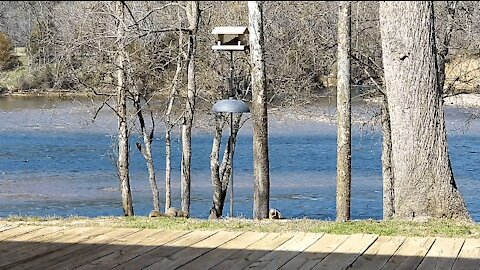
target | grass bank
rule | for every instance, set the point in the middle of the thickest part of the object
(441, 228)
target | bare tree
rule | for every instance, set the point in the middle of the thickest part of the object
(193, 16)
(424, 185)
(169, 124)
(139, 102)
(221, 171)
(259, 112)
(123, 132)
(344, 108)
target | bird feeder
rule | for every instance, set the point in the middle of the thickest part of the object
(230, 38)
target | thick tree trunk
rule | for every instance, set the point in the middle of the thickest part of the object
(424, 184)
(259, 112)
(387, 171)
(123, 134)
(344, 108)
(193, 14)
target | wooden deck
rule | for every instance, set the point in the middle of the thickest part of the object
(38, 247)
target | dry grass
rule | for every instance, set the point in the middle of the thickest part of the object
(442, 228)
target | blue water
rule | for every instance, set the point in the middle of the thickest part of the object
(52, 166)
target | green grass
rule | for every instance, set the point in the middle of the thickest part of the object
(442, 228)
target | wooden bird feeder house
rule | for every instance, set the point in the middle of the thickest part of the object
(230, 38)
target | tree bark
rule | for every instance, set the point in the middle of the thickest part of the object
(220, 172)
(193, 15)
(443, 47)
(344, 108)
(169, 126)
(259, 112)
(123, 134)
(219, 192)
(147, 152)
(424, 184)
(387, 171)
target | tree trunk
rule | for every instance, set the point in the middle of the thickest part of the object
(193, 14)
(219, 192)
(259, 112)
(445, 44)
(123, 134)
(344, 133)
(387, 171)
(424, 184)
(168, 169)
(147, 152)
(168, 129)
(220, 172)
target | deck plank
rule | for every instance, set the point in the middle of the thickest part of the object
(347, 252)
(469, 256)
(96, 255)
(377, 255)
(92, 245)
(129, 251)
(5, 227)
(17, 231)
(442, 254)
(410, 254)
(50, 247)
(255, 251)
(194, 251)
(285, 252)
(60, 245)
(72, 246)
(316, 252)
(224, 251)
(31, 245)
(19, 241)
(164, 250)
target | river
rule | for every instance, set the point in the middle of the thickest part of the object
(54, 161)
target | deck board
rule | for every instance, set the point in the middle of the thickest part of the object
(410, 254)
(50, 247)
(69, 249)
(442, 254)
(126, 253)
(17, 231)
(93, 245)
(186, 255)
(164, 250)
(316, 252)
(254, 252)
(378, 254)
(347, 252)
(286, 251)
(62, 247)
(224, 251)
(39, 242)
(469, 256)
(95, 258)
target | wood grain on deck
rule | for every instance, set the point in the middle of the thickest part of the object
(49, 247)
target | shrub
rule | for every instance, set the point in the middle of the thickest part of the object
(7, 58)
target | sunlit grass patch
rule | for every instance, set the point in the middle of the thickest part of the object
(440, 227)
